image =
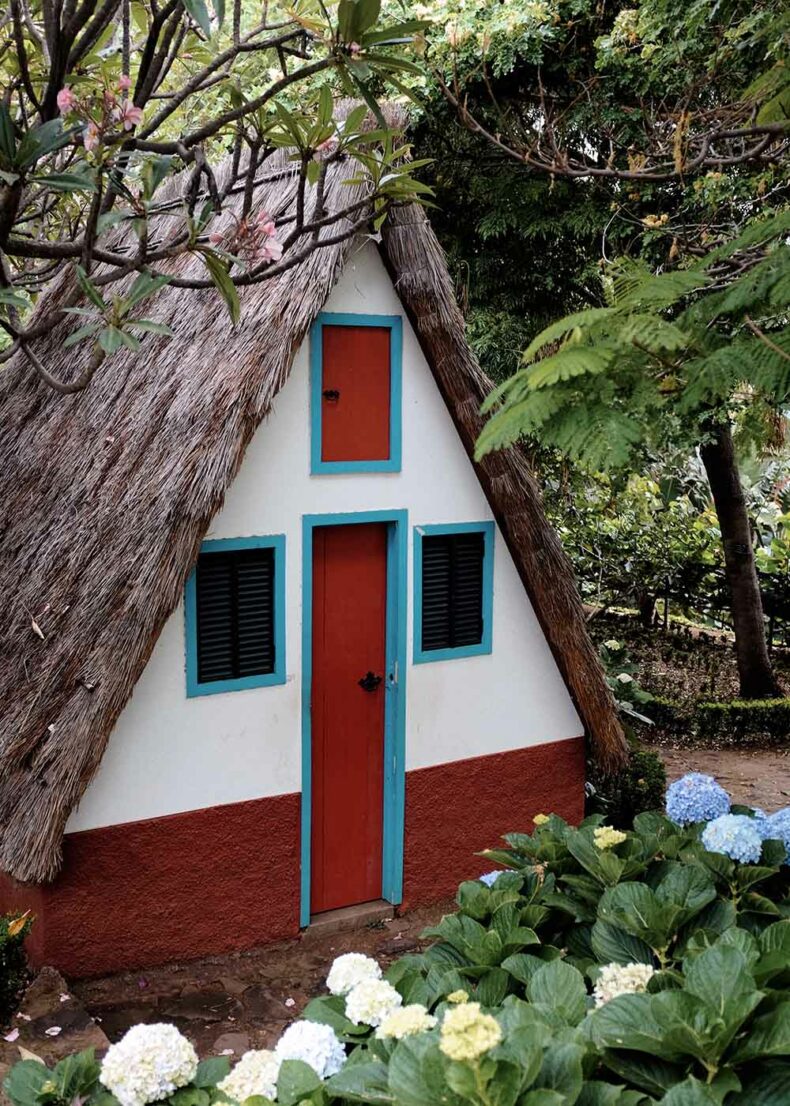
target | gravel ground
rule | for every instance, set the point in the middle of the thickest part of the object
(755, 777)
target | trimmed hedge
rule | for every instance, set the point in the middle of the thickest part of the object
(736, 722)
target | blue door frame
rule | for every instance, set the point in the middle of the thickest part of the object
(394, 707)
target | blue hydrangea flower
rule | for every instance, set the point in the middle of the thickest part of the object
(696, 798)
(490, 878)
(734, 835)
(762, 821)
(779, 828)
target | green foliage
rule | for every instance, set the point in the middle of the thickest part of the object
(620, 672)
(75, 1079)
(638, 787)
(675, 345)
(13, 962)
(705, 1021)
(732, 723)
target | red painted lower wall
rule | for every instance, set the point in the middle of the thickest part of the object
(143, 893)
(226, 878)
(456, 810)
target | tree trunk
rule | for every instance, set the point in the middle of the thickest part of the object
(646, 602)
(754, 666)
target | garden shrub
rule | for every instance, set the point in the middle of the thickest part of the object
(599, 968)
(638, 787)
(13, 962)
(734, 722)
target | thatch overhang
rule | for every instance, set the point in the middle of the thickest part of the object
(109, 492)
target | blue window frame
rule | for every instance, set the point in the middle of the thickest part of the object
(395, 325)
(197, 682)
(478, 581)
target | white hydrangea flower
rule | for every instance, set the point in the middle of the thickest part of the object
(148, 1064)
(406, 1020)
(621, 979)
(371, 1001)
(316, 1044)
(349, 970)
(255, 1074)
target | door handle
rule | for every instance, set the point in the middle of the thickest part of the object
(370, 681)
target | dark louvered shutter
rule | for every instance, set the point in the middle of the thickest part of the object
(452, 590)
(235, 614)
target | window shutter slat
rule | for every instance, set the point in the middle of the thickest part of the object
(452, 590)
(468, 589)
(235, 614)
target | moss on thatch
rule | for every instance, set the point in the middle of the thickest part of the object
(109, 492)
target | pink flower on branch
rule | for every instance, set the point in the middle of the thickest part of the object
(253, 240)
(128, 114)
(91, 137)
(125, 83)
(66, 100)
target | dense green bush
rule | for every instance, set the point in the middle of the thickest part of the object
(603, 968)
(13, 962)
(735, 722)
(636, 788)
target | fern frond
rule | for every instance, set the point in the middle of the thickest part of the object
(658, 291)
(597, 435)
(563, 327)
(519, 419)
(757, 287)
(761, 231)
(568, 362)
(654, 334)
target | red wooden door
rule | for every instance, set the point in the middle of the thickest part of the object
(349, 641)
(355, 393)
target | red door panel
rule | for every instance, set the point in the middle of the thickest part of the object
(355, 393)
(349, 640)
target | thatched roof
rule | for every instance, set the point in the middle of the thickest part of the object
(108, 493)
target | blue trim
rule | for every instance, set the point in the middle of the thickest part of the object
(395, 324)
(216, 687)
(485, 646)
(394, 711)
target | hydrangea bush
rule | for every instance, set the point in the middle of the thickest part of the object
(594, 967)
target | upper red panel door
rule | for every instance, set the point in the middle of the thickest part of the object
(355, 393)
(347, 713)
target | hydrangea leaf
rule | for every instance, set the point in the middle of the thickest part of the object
(296, 1081)
(612, 944)
(363, 1082)
(417, 1073)
(211, 1071)
(560, 986)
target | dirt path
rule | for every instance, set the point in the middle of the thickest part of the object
(245, 999)
(755, 777)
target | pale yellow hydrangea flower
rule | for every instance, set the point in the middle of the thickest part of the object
(406, 1021)
(606, 837)
(540, 819)
(621, 979)
(458, 996)
(467, 1032)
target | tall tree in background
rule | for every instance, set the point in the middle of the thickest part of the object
(656, 131)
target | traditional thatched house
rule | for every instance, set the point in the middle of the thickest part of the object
(296, 650)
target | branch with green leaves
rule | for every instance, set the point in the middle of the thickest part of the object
(103, 106)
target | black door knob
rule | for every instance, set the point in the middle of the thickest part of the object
(370, 681)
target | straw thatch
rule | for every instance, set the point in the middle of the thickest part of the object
(108, 493)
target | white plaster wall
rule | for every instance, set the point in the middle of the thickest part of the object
(169, 754)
